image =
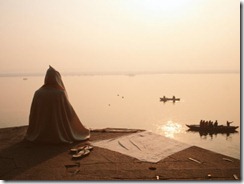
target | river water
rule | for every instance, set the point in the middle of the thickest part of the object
(132, 101)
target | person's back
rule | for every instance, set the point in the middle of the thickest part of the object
(52, 118)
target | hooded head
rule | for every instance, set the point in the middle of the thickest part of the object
(53, 79)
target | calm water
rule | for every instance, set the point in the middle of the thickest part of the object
(133, 102)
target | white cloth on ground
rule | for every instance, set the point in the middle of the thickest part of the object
(145, 146)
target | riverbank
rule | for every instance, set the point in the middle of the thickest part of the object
(21, 160)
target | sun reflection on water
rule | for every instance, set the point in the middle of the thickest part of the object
(170, 129)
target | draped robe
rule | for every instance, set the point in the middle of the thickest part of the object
(52, 118)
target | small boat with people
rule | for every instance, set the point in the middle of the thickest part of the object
(209, 126)
(165, 99)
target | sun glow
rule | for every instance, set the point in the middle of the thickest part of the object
(164, 5)
(170, 129)
(160, 8)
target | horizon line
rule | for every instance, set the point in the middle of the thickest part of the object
(132, 73)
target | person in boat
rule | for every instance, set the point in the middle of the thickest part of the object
(52, 118)
(206, 124)
(216, 123)
(210, 124)
(228, 123)
(201, 123)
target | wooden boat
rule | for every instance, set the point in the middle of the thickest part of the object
(165, 99)
(213, 129)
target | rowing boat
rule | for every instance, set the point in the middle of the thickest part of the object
(214, 129)
(165, 99)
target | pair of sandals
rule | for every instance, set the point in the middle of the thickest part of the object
(81, 151)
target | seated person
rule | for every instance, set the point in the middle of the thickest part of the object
(216, 123)
(52, 119)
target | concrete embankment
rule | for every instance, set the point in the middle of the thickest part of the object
(22, 160)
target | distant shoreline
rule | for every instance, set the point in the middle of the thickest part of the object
(131, 74)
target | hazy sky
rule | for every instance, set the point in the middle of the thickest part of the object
(119, 35)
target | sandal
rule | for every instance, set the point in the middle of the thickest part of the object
(76, 150)
(81, 154)
(88, 147)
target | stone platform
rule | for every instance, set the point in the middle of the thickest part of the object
(22, 160)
